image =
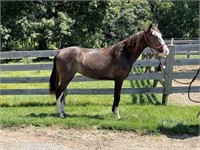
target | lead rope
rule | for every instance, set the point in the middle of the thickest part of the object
(190, 83)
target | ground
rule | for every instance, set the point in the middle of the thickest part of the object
(182, 98)
(32, 138)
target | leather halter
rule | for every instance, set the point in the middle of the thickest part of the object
(149, 44)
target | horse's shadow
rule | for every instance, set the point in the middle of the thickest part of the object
(55, 115)
(41, 115)
(180, 131)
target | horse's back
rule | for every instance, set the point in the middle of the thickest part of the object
(75, 51)
(76, 56)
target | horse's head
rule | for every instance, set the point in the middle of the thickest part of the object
(153, 38)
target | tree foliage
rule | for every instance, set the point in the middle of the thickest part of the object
(178, 19)
(55, 24)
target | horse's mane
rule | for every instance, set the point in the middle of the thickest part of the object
(121, 47)
(134, 40)
(114, 50)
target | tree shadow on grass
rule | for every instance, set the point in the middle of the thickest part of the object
(180, 131)
(143, 98)
(55, 115)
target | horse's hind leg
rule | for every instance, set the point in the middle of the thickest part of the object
(63, 102)
(59, 103)
(61, 95)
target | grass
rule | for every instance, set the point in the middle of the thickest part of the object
(140, 113)
(146, 118)
(185, 56)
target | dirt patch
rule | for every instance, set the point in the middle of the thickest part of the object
(182, 98)
(71, 139)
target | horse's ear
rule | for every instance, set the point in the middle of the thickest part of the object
(151, 25)
(156, 25)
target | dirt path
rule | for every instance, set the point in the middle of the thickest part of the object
(32, 138)
(182, 98)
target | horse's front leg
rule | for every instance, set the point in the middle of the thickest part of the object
(118, 85)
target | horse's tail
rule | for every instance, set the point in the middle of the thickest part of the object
(54, 79)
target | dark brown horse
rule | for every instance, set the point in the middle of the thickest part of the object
(111, 63)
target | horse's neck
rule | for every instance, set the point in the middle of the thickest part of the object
(137, 50)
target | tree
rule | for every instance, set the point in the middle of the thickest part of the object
(55, 24)
(89, 17)
(34, 22)
(124, 18)
(177, 19)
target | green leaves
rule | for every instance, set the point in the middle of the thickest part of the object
(5, 32)
(177, 19)
(45, 24)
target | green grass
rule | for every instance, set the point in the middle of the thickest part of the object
(146, 118)
(95, 111)
(185, 56)
(140, 113)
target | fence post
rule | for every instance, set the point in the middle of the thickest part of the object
(169, 70)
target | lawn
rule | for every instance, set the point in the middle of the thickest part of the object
(95, 111)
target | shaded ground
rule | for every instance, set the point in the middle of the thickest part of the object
(32, 138)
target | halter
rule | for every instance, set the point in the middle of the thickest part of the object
(149, 44)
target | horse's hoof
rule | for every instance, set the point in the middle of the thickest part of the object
(118, 117)
(61, 115)
(116, 112)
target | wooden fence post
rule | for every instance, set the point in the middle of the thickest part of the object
(169, 70)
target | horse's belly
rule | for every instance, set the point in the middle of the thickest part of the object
(95, 73)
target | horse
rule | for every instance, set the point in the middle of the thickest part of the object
(110, 63)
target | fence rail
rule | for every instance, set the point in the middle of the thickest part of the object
(166, 89)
